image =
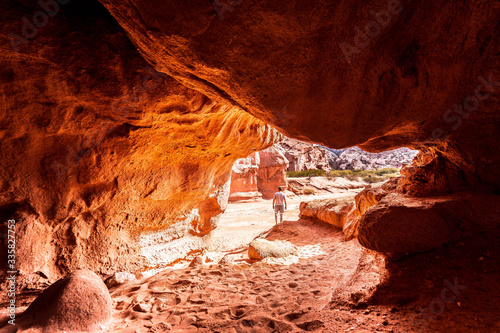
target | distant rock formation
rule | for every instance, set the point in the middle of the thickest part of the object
(272, 171)
(244, 179)
(258, 175)
(355, 158)
(307, 156)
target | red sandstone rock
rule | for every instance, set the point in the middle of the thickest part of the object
(110, 148)
(401, 224)
(258, 175)
(306, 156)
(79, 302)
(331, 211)
(302, 81)
(244, 179)
(272, 172)
(98, 148)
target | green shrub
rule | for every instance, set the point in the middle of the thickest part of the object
(309, 191)
(386, 171)
(351, 176)
(372, 179)
(371, 176)
(306, 173)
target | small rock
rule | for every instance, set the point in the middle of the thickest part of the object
(119, 278)
(142, 307)
(261, 248)
(197, 261)
(385, 322)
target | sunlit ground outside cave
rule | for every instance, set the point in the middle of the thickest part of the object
(249, 166)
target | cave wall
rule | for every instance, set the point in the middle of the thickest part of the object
(110, 130)
(378, 74)
(98, 148)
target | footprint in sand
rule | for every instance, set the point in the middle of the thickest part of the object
(198, 298)
(310, 325)
(238, 312)
(264, 324)
(304, 320)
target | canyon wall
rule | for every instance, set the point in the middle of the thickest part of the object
(259, 175)
(110, 130)
(244, 179)
(378, 75)
(99, 150)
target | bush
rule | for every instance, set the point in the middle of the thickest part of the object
(351, 176)
(372, 179)
(309, 191)
(371, 176)
(386, 171)
(306, 173)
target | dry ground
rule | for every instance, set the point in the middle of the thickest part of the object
(334, 286)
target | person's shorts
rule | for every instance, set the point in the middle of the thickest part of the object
(279, 209)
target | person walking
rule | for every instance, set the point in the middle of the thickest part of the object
(279, 204)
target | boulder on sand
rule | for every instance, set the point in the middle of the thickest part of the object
(261, 248)
(79, 302)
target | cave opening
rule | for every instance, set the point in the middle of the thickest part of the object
(120, 127)
(306, 172)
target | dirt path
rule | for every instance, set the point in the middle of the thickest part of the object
(333, 286)
(242, 222)
(336, 286)
(256, 298)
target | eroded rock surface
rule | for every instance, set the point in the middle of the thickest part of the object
(331, 211)
(272, 172)
(401, 224)
(262, 248)
(244, 179)
(306, 156)
(99, 148)
(289, 64)
(80, 302)
(259, 175)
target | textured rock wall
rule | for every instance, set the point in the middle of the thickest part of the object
(306, 156)
(99, 148)
(272, 172)
(259, 175)
(305, 68)
(244, 179)
(378, 75)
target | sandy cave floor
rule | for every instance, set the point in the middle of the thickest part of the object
(335, 286)
(343, 288)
